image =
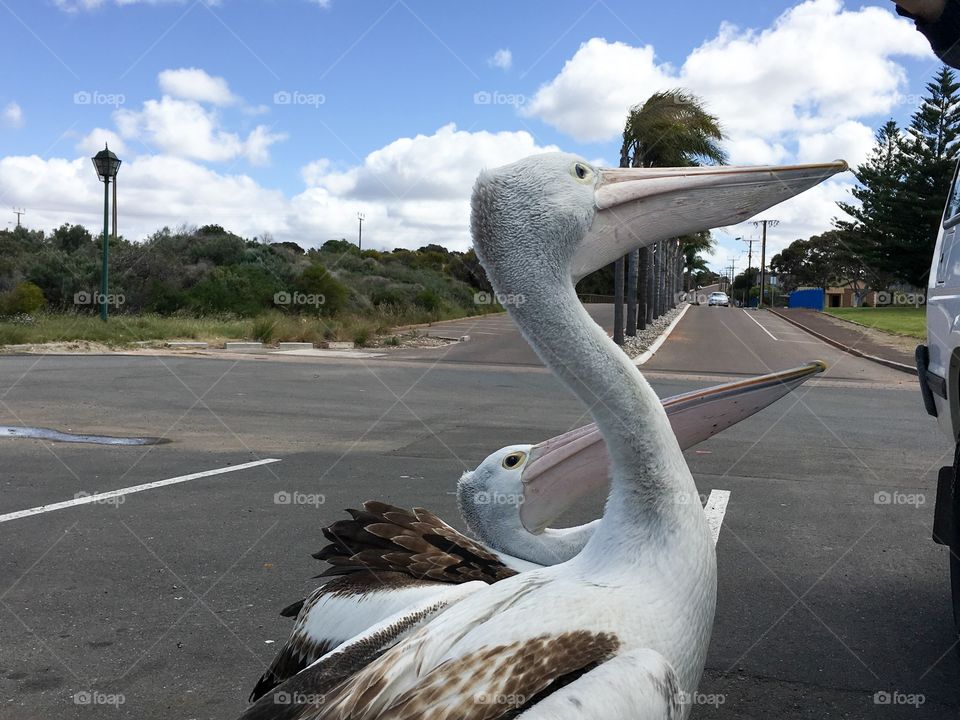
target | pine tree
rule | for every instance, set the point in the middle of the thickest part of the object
(932, 148)
(871, 241)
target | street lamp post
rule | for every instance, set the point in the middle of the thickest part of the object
(107, 164)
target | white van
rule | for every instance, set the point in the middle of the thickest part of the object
(938, 368)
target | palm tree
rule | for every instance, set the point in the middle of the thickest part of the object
(691, 247)
(671, 129)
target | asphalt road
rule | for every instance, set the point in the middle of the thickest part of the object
(168, 601)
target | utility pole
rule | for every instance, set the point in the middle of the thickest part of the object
(18, 213)
(361, 217)
(763, 255)
(750, 242)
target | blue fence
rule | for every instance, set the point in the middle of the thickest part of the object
(812, 299)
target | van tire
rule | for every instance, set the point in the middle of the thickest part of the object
(955, 547)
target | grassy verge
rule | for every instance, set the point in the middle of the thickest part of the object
(124, 330)
(906, 321)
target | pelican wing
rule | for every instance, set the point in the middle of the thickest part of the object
(382, 538)
(343, 607)
(304, 694)
(636, 684)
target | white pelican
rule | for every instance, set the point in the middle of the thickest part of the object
(554, 473)
(641, 594)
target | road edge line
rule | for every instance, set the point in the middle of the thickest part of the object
(892, 364)
(655, 345)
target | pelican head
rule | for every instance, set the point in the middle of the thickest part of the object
(491, 495)
(556, 210)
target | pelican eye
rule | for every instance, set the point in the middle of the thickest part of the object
(581, 171)
(513, 460)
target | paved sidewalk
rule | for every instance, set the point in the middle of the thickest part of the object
(849, 336)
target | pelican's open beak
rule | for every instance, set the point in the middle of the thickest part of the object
(561, 470)
(640, 206)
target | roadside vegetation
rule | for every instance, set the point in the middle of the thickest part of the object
(906, 321)
(210, 284)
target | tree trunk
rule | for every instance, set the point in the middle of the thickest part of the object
(632, 264)
(642, 295)
(618, 301)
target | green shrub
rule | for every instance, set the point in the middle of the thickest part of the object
(316, 282)
(24, 298)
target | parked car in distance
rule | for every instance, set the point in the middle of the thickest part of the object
(718, 298)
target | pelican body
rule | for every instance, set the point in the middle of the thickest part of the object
(639, 599)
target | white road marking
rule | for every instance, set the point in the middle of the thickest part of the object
(100, 497)
(759, 325)
(715, 509)
(644, 356)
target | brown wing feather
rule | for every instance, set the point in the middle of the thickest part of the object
(495, 683)
(383, 537)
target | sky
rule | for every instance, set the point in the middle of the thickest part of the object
(287, 118)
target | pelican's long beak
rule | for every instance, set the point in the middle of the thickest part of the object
(561, 470)
(637, 207)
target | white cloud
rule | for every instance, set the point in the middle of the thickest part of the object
(195, 84)
(850, 140)
(818, 66)
(12, 115)
(414, 191)
(184, 128)
(94, 141)
(73, 6)
(502, 59)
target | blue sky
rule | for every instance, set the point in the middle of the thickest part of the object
(286, 117)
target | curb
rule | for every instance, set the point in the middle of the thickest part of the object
(655, 345)
(892, 364)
